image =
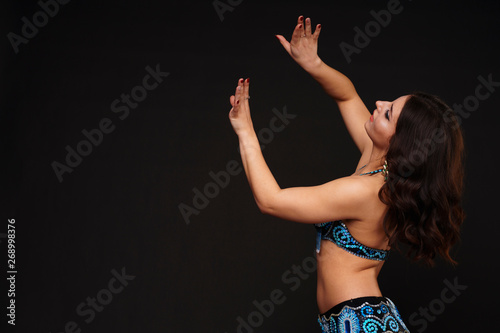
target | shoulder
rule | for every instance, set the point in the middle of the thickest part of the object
(364, 184)
(352, 185)
(362, 192)
(358, 194)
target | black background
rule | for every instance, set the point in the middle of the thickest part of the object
(120, 207)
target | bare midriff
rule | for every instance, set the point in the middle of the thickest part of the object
(343, 276)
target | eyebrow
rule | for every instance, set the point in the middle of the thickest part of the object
(391, 109)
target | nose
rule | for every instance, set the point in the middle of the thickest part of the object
(380, 104)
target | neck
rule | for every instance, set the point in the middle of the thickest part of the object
(377, 157)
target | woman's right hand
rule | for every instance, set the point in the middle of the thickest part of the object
(303, 47)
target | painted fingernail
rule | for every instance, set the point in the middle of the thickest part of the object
(237, 102)
(301, 18)
(241, 80)
(248, 80)
(300, 25)
(319, 26)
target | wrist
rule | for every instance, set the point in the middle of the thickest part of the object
(247, 135)
(248, 139)
(313, 66)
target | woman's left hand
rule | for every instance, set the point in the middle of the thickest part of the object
(240, 113)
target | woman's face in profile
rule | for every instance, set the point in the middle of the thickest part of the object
(382, 124)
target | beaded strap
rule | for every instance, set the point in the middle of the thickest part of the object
(374, 171)
(384, 171)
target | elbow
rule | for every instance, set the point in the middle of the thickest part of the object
(265, 208)
(268, 204)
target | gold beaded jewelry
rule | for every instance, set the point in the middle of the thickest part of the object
(385, 171)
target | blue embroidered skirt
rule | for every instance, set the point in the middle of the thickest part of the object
(363, 315)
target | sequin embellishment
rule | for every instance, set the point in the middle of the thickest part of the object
(383, 317)
(338, 233)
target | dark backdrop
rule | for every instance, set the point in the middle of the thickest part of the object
(154, 228)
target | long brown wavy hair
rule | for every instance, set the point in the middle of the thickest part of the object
(423, 191)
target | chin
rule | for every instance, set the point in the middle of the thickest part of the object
(368, 131)
(367, 126)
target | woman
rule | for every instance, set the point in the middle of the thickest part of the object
(406, 188)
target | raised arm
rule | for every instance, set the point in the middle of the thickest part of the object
(338, 199)
(303, 48)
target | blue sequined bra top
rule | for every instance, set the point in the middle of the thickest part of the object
(338, 233)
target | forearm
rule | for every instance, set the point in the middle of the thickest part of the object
(335, 84)
(260, 178)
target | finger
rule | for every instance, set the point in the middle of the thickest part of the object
(233, 113)
(284, 42)
(235, 103)
(231, 100)
(308, 26)
(246, 87)
(300, 19)
(237, 93)
(317, 31)
(297, 33)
